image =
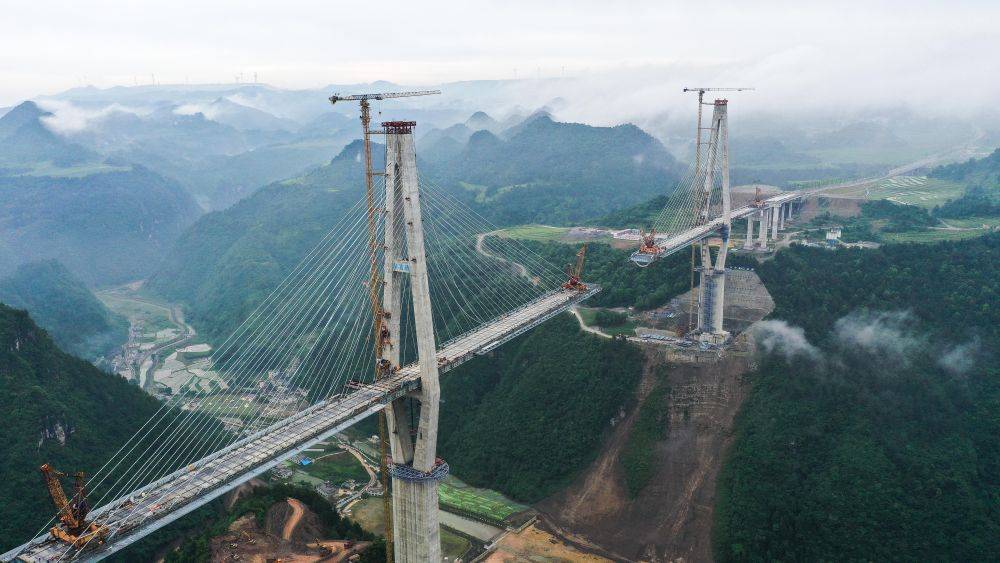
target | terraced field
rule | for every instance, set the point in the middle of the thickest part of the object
(481, 504)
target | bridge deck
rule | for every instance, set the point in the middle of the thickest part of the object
(670, 244)
(169, 498)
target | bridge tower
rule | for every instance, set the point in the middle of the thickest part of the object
(415, 469)
(711, 291)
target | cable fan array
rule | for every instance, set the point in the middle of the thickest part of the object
(310, 339)
(688, 202)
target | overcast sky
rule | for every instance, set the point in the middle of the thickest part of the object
(923, 53)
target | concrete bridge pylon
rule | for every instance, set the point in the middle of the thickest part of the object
(415, 469)
(711, 291)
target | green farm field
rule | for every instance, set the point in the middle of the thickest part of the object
(336, 468)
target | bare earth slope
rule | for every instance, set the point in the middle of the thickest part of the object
(671, 518)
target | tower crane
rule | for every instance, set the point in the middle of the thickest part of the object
(375, 288)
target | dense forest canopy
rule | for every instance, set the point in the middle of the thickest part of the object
(871, 429)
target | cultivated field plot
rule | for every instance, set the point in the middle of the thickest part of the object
(541, 233)
(234, 406)
(336, 467)
(910, 190)
(933, 235)
(154, 317)
(481, 504)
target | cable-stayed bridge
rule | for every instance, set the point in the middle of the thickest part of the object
(404, 287)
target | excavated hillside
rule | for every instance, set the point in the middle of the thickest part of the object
(291, 532)
(670, 518)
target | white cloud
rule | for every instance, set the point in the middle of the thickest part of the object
(888, 335)
(68, 118)
(777, 336)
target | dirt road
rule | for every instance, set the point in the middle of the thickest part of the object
(297, 511)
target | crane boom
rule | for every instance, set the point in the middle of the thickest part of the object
(717, 89)
(381, 96)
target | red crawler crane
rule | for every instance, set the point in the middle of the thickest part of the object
(574, 272)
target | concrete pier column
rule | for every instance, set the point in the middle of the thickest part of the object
(774, 223)
(748, 243)
(762, 236)
(781, 217)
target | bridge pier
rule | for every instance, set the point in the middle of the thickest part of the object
(762, 236)
(774, 223)
(781, 217)
(748, 243)
(415, 469)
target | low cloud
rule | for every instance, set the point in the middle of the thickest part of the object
(68, 118)
(889, 335)
(777, 336)
(960, 359)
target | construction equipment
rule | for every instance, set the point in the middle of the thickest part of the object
(574, 272)
(73, 528)
(381, 331)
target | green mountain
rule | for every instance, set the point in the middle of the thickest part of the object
(880, 440)
(25, 142)
(62, 305)
(57, 409)
(544, 171)
(107, 227)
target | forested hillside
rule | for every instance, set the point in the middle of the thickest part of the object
(873, 434)
(25, 142)
(984, 172)
(107, 228)
(526, 419)
(63, 306)
(622, 283)
(57, 409)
